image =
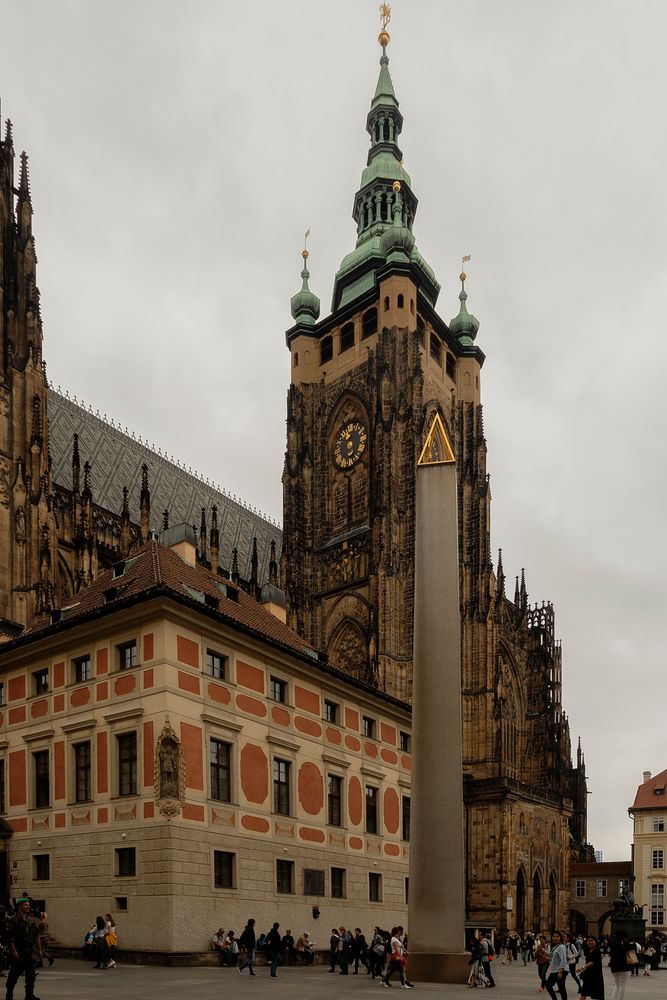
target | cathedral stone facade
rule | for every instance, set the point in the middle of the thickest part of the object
(78, 494)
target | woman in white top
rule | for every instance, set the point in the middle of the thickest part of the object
(558, 967)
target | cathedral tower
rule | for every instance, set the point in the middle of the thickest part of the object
(365, 382)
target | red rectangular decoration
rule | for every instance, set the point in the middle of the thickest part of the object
(187, 651)
(102, 763)
(148, 646)
(17, 778)
(148, 754)
(59, 768)
(16, 688)
(102, 661)
(191, 738)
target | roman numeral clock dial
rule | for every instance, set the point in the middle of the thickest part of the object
(350, 445)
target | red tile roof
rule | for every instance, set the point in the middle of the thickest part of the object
(600, 869)
(652, 794)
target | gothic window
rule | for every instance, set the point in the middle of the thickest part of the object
(348, 650)
(346, 337)
(386, 303)
(369, 322)
(296, 358)
(326, 350)
(400, 302)
(450, 366)
(435, 346)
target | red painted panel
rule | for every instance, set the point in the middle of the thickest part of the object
(102, 661)
(188, 682)
(356, 843)
(16, 715)
(19, 825)
(307, 726)
(388, 756)
(314, 836)
(311, 788)
(393, 850)
(352, 743)
(406, 762)
(59, 821)
(354, 801)
(256, 824)
(249, 677)
(391, 810)
(388, 734)
(191, 738)
(102, 763)
(125, 684)
(333, 735)
(58, 674)
(80, 696)
(149, 810)
(309, 701)
(59, 769)
(352, 719)
(218, 693)
(17, 778)
(59, 703)
(149, 755)
(187, 651)
(148, 678)
(370, 750)
(103, 815)
(254, 773)
(102, 691)
(16, 688)
(250, 705)
(280, 715)
(193, 812)
(40, 708)
(148, 646)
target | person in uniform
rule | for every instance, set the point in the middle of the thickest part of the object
(25, 949)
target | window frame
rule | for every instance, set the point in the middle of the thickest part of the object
(41, 781)
(580, 888)
(374, 887)
(601, 888)
(405, 818)
(657, 859)
(218, 768)
(41, 861)
(404, 741)
(338, 881)
(221, 872)
(85, 771)
(282, 790)
(335, 800)
(371, 811)
(77, 663)
(286, 867)
(326, 350)
(127, 763)
(346, 338)
(278, 685)
(368, 727)
(125, 857)
(130, 646)
(658, 822)
(216, 670)
(331, 711)
(309, 875)
(40, 682)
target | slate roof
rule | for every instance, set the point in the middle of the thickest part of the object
(155, 570)
(116, 459)
(652, 794)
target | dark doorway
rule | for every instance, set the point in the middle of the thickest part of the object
(520, 901)
(537, 903)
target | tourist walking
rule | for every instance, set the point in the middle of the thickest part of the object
(558, 969)
(572, 951)
(487, 957)
(396, 961)
(111, 939)
(248, 942)
(376, 953)
(542, 957)
(344, 950)
(24, 949)
(618, 964)
(334, 941)
(592, 980)
(274, 947)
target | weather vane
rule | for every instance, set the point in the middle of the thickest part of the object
(385, 15)
(465, 258)
(304, 252)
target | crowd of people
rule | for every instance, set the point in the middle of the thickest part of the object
(566, 958)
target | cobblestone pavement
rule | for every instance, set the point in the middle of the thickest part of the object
(69, 980)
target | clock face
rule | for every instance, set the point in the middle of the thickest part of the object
(350, 444)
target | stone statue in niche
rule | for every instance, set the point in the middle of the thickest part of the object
(169, 773)
(20, 525)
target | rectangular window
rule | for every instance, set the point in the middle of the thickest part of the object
(450, 366)
(278, 690)
(404, 742)
(657, 904)
(331, 711)
(127, 655)
(657, 859)
(2, 788)
(338, 883)
(82, 772)
(215, 664)
(580, 889)
(313, 882)
(658, 821)
(284, 876)
(334, 797)
(2, 693)
(223, 869)
(406, 817)
(623, 885)
(127, 764)
(41, 866)
(126, 862)
(601, 887)
(40, 681)
(368, 727)
(281, 776)
(657, 918)
(436, 348)
(374, 887)
(42, 790)
(221, 776)
(83, 669)
(121, 903)
(371, 809)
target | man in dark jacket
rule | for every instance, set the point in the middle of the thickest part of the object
(249, 942)
(24, 949)
(274, 947)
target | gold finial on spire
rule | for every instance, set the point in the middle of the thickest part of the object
(463, 275)
(385, 17)
(304, 252)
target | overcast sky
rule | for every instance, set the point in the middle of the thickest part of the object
(179, 151)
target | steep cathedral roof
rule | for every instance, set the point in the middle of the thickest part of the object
(116, 459)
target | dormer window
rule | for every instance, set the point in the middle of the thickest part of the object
(347, 337)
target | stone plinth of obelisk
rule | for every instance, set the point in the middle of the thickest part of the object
(436, 912)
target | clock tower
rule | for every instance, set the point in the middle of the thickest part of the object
(365, 383)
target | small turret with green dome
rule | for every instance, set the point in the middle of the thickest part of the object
(305, 305)
(465, 325)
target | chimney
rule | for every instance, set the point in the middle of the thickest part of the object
(182, 538)
(647, 776)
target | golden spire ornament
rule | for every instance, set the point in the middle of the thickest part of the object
(385, 17)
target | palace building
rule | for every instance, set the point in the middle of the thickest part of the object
(225, 711)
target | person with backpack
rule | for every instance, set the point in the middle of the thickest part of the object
(376, 953)
(487, 957)
(572, 952)
(248, 942)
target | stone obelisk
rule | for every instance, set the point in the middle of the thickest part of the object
(436, 912)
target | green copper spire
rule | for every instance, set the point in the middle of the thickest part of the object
(305, 305)
(464, 326)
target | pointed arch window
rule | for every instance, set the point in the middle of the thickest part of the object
(326, 350)
(369, 322)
